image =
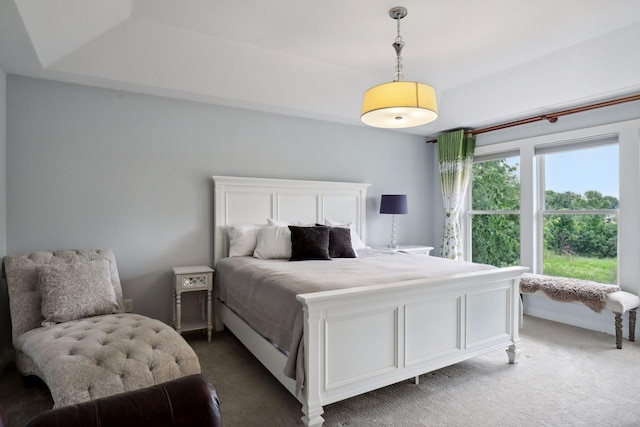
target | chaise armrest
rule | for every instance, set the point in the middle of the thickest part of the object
(189, 401)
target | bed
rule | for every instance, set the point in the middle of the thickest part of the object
(358, 339)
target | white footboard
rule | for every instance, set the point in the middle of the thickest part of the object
(361, 339)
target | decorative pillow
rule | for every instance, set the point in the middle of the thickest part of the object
(242, 239)
(309, 243)
(340, 243)
(306, 224)
(273, 243)
(277, 222)
(76, 291)
(356, 242)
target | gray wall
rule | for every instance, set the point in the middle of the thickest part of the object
(5, 331)
(3, 163)
(91, 167)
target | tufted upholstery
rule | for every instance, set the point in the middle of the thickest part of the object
(94, 357)
(99, 356)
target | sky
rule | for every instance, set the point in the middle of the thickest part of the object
(582, 170)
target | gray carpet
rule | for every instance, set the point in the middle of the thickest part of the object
(567, 376)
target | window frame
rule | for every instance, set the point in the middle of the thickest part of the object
(470, 212)
(627, 135)
(541, 191)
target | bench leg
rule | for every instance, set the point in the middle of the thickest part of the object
(619, 330)
(632, 325)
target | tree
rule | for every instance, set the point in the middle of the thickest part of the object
(584, 235)
(496, 237)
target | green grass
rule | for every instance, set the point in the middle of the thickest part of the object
(603, 270)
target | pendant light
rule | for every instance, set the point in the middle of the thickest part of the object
(399, 104)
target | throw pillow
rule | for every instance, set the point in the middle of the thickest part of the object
(277, 222)
(273, 243)
(356, 242)
(309, 243)
(340, 243)
(76, 291)
(242, 239)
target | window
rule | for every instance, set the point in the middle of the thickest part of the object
(572, 223)
(578, 211)
(494, 217)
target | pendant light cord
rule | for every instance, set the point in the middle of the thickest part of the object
(398, 44)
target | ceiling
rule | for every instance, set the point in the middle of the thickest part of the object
(490, 61)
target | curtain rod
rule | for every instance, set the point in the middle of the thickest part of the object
(551, 117)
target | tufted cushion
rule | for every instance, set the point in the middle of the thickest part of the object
(99, 356)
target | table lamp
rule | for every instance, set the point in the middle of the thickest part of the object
(394, 204)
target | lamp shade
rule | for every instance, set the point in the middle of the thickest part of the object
(393, 204)
(399, 104)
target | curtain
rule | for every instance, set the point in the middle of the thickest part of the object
(455, 155)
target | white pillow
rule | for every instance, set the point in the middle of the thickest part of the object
(305, 224)
(273, 243)
(242, 239)
(356, 242)
(277, 222)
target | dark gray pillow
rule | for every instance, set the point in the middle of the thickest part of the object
(340, 243)
(309, 243)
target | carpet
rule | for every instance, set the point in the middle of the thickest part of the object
(566, 376)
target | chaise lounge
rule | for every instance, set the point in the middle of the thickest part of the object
(69, 328)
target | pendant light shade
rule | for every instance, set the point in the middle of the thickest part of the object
(399, 104)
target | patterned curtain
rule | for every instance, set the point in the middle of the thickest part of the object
(455, 153)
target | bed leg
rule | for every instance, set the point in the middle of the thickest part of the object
(514, 353)
(632, 324)
(618, 330)
(312, 415)
(416, 380)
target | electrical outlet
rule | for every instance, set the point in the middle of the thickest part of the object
(128, 305)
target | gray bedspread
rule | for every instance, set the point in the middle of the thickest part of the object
(263, 292)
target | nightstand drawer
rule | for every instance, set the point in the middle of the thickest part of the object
(197, 278)
(189, 282)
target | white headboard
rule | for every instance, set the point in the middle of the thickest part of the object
(241, 200)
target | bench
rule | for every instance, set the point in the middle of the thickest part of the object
(596, 296)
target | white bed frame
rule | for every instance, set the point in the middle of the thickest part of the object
(360, 339)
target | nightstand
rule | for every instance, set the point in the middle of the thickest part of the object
(410, 249)
(193, 279)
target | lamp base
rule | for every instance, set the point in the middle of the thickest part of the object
(394, 242)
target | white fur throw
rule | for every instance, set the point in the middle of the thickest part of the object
(564, 289)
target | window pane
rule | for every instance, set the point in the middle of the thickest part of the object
(496, 185)
(496, 239)
(581, 246)
(582, 179)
